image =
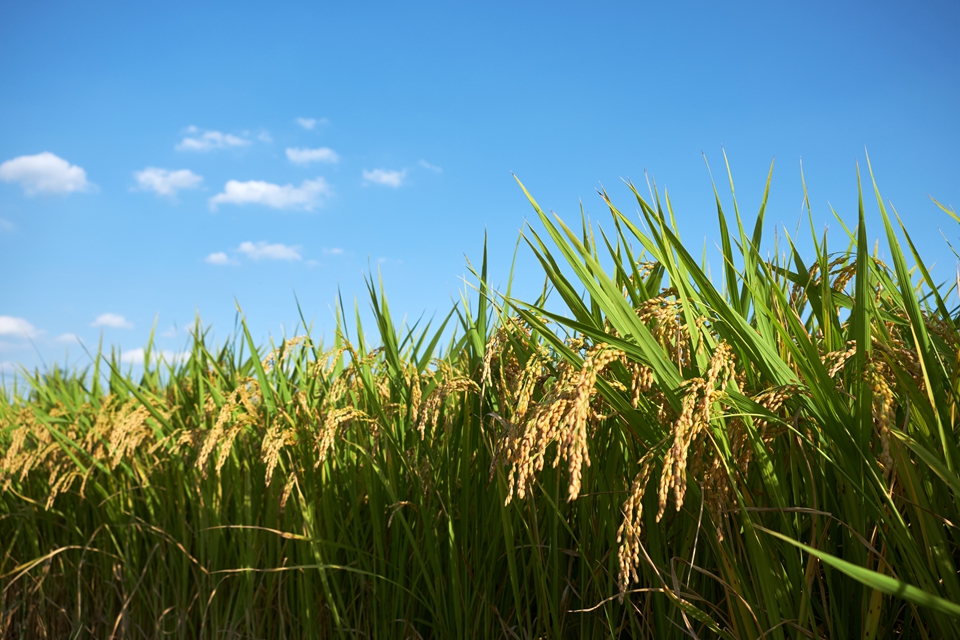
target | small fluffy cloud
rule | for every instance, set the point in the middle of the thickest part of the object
(134, 356)
(385, 177)
(305, 156)
(306, 197)
(68, 338)
(310, 123)
(5, 225)
(333, 251)
(264, 251)
(138, 356)
(218, 257)
(257, 251)
(18, 327)
(112, 320)
(165, 182)
(44, 173)
(431, 167)
(198, 140)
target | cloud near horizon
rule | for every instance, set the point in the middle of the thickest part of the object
(11, 326)
(112, 320)
(306, 197)
(265, 251)
(306, 156)
(199, 140)
(164, 182)
(138, 356)
(385, 177)
(45, 173)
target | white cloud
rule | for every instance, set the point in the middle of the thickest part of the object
(218, 257)
(208, 140)
(6, 225)
(263, 250)
(165, 182)
(305, 197)
(310, 123)
(68, 338)
(8, 367)
(44, 173)
(264, 136)
(137, 356)
(112, 320)
(385, 177)
(333, 251)
(431, 167)
(257, 251)
(10, 326)
(305, 156)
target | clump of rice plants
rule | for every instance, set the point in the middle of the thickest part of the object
(772, 456)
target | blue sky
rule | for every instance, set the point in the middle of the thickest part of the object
(161, 160)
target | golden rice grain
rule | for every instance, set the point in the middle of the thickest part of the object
(700, 394)
(332, 422)
(628, 535)
(562, 417)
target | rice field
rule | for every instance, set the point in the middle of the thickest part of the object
(773, 455)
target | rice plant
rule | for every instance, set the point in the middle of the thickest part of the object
(769, 456)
